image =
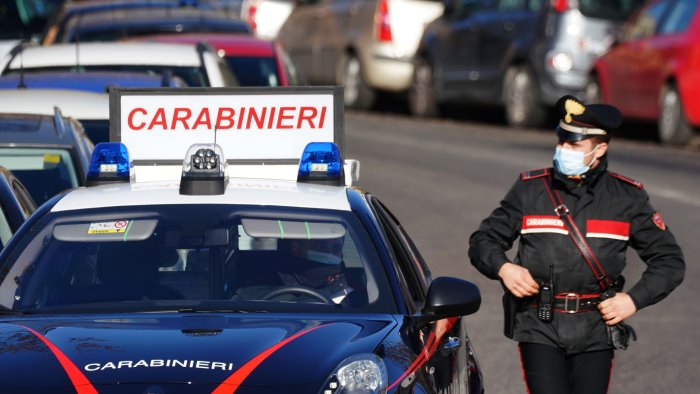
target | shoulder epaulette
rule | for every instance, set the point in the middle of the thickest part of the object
(625, 179)
(534, 174)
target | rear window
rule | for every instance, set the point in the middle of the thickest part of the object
(618, 10)
(254, 71)
(44, 172)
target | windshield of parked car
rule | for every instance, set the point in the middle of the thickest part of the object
(195, 257)
(45, 172)
(609, 9)
(254, 70)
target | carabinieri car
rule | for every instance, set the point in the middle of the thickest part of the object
(227, 285)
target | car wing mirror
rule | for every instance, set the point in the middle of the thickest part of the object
(450, 297)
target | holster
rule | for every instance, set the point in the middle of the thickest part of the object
(510, 307)
(618, 335)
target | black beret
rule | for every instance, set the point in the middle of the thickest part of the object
(579, 121)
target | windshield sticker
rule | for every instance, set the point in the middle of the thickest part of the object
(52, 159)
(159, 363)
(117, 226)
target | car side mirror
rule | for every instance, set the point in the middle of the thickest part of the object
(448, 296)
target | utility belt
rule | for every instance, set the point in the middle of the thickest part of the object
(574, 302)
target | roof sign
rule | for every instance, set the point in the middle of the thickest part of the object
(252, 125)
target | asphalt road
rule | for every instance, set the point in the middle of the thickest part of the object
(442, 177)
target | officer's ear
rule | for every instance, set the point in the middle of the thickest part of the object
(601, 150)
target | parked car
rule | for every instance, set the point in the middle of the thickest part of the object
(107, 20)
(16, 205)
(48, 153)
(97, 81)
(266, 17)
(197, 65)
(364, 45)
(254, 61)
(89, 108)
(652, 72)
(520, 54)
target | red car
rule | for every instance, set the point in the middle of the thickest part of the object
(254, 61)
(652, 72)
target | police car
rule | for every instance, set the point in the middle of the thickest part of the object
(219, 282)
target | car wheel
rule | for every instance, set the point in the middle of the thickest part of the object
(356, 92)
(673, 125)
(421, 96)
(523, 108)
(592, 93)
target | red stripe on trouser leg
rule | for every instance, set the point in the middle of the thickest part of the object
(522, 367)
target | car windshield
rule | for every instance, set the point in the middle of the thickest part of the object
(609, 9)
(254, 70)
(44, 172)
(196, 258)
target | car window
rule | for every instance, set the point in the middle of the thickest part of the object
(411, 263)
(467, 7)
(646, 22)
(5, 228)
(284, 259)
(609, 9)
(254, 70)
(511, 5)
(294, 77)
(24, 198)
(25, 18)
(679, 16)
(44, 172)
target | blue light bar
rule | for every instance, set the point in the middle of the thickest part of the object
(109, 164)
(321, 163)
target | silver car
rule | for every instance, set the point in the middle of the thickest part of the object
(364, 45)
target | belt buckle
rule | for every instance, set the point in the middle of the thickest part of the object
(561, 210)
(571, 296)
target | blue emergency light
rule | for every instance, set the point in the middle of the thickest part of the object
(321, 163)
(110, 164)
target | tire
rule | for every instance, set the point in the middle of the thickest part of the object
(674, 128)
(421, 95)
(356, 92)
(592, 93)
(522, 105)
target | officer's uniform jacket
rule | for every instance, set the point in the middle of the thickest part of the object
(612, 212)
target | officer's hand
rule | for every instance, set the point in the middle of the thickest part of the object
(617, 309)
(518, 280)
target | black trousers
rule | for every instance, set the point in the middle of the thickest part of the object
(548, 370)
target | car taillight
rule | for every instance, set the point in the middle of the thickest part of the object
(382, 25)
(252, 10)
(560, 5)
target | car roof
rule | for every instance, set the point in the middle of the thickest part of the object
(73, 103)
(231, 44)
(107, 53)
(255, 192)
(93, 81)
(30, 129)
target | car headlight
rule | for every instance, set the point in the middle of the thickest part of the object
(359, 374)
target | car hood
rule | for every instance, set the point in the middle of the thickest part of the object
(197, 350)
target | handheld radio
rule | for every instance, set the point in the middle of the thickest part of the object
(546, 298)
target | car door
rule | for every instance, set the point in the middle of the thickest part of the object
(627, 62)
(459, 47)
(508, 22)
(664, 51)
(446, 369)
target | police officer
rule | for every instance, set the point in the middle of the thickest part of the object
(569, 255)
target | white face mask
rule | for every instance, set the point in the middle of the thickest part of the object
(322, 257)
(570, 162)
